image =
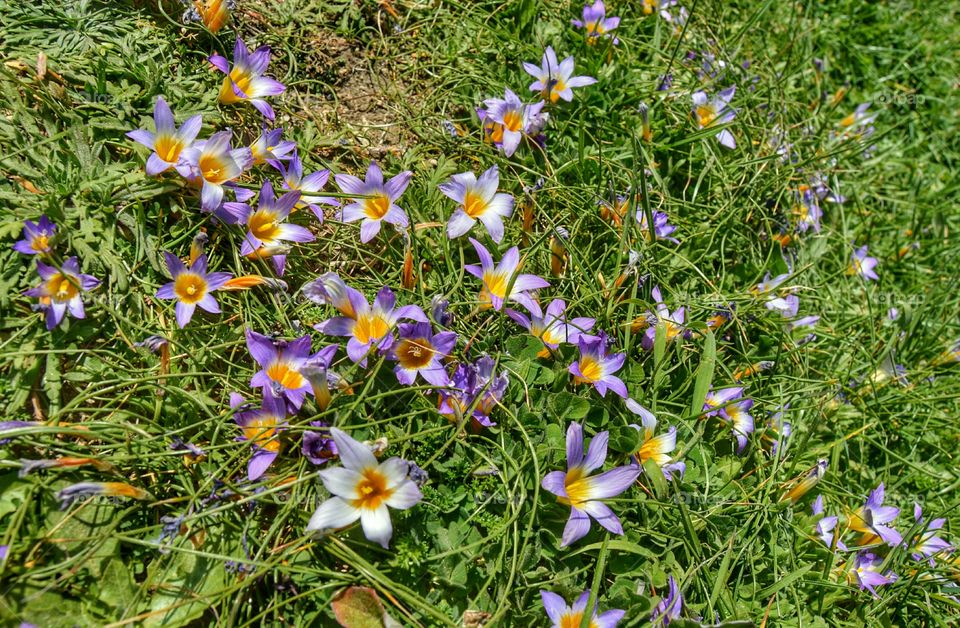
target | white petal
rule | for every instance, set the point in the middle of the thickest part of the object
(333, 513)
(341, 481)
(376, 525)
(407, 495)
(353, 455)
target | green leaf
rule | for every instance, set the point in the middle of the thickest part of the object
(568, 406)
(704, 374)
(360, 607)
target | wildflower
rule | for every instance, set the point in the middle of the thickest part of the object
(554, 81)
(6, 426)
(576, 488)
(213, 13)
(266, 227)
(191, 450)
(807, 210)
(61, 290)
(479, 200)
(661, 226)
(419, 350)
(191, 287)
(866, 573)
(826, 528)
(753, 369)
(29, 466)
(737, 415)
(714, 401)
(806, 321)
(366, 326)
(669, 608)
(558, 251)
(280, 362)
(597, 368)
(596, 23)
(475, 386)
(802, 485)
(860, 117)
(167, 142)
(552, 327)
(644, 110)
(214, 164)
(82, 490)
(565, 616)
(37, 237)
(261, 427)
(268, 148)
(614, 212)
(245, 80)
(318, 446)
(440, 311)
(862, 264)
(671, 321)
(379, 203)
(308, 186)
(656, 448)
(709, 113)
(787, 305)
(506, 120)
(497, 279)
(676, 21)
(871, 519)
(927, 544)
(364, 489)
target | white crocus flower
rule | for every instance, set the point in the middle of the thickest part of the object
(363, 489)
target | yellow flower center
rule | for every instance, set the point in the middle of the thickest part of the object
(372, 489)
(263, 225)
(473, 204)
(376, 207)
(578, 487)
(512, 120)
(40, 244)
(552, 90)
(590, 370)
(414, 353)
(61, 288)
(495, 284)
(213, 169)
(190, 287)
(370, 328)
(287, 377)
(242, 80)
(168, 147)
(706, 114)
(495, 132)
(572, 620)
(262, 432)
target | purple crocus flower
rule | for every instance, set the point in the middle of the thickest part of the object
(318, 446)
(552, 327)
(476, 385)
(871, 519)
(826, 527)
(597, 368)
(596, 23)
(656, 448)
(308, 186)
(563, 615)
(709, 113)
(280, 362)
(262, 427)
(738, 416)
(581, 491)
(715, 400)
(379, 205)
(862, 264)
(506, 120)
(245, 80)
(478, 200)
(555, 80)
(167, 142)
(366, 326)
(927, 544)
(807, 210)
(191, 287)
(496, 279)
(213, 164)
(661, 225)
(867, 574)
(269, 148)
(805, 321)
(419, 350)
(61, 290)
(266, 228)
(37, 237)
(672, 321)
(788, 305)
(669, 608)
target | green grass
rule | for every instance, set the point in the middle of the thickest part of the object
(363, 84)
